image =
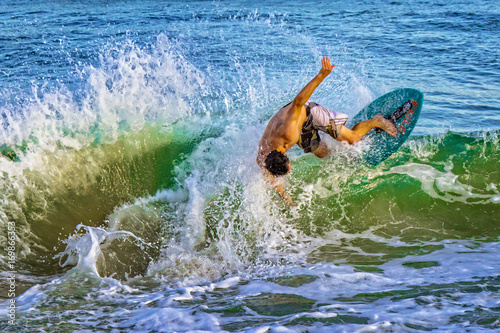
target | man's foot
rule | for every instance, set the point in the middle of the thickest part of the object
(385, 124)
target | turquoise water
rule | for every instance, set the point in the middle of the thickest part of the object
(128, 138)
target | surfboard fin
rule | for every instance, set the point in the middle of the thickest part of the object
(400, 111)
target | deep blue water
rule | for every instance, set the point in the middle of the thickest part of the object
(140, 121)
(449, 50)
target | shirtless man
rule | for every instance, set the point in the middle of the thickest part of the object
(299, 122)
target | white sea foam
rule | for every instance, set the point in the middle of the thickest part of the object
(163, 310)
(447, 183)
(130, 87)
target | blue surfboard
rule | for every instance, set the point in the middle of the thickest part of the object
(402, 107)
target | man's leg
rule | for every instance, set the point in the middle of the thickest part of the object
(360, 129)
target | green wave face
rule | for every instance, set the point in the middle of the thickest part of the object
(67, 187)
(434, 188)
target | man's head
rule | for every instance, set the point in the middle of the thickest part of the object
(277, 163)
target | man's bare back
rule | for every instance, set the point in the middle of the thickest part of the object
(282, 132)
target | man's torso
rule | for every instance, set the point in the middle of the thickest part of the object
(282, 131)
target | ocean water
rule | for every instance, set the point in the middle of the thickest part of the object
(129, 195)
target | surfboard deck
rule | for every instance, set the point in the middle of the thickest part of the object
(405, 103)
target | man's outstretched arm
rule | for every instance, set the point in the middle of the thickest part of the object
(306, 92)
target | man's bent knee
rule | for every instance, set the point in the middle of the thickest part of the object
(348, 135)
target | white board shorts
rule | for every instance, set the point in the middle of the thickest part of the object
(319, 119)
(323, 118)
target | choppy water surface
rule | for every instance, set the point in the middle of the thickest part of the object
(128, 138)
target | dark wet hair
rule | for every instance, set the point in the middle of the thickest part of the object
(277, 163)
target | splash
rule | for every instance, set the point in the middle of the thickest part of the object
(71, 156)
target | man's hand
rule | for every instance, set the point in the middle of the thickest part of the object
(279, 188)
(306, 92)
(284, 195)
(326, 66)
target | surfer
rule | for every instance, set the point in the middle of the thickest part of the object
(299, 122)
